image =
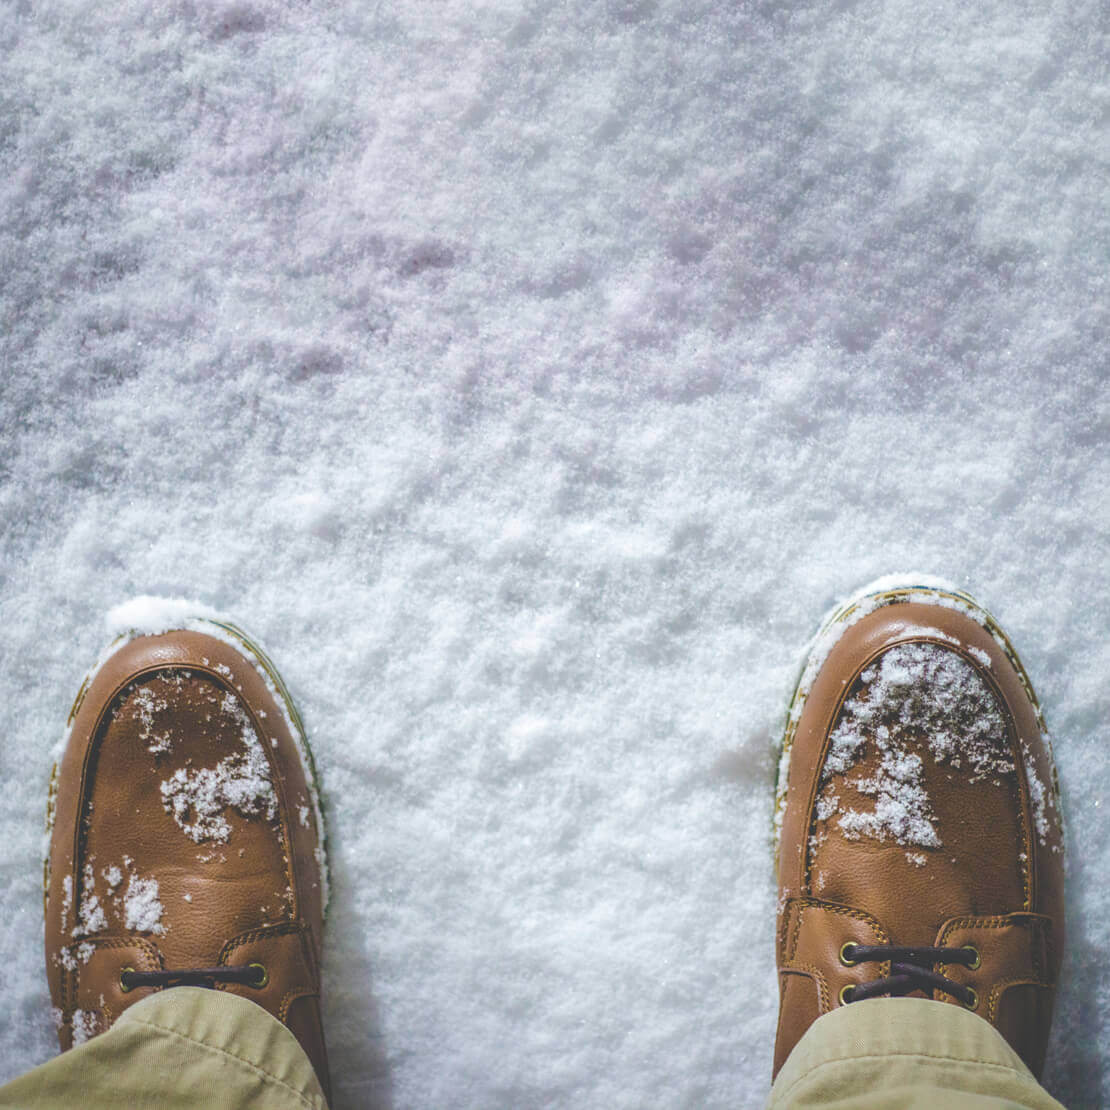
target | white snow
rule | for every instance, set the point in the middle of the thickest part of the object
(827, 805)
(151, 615)
(1038, 793)
(71, 957)
(67, 898)
(90, 916)
(85, 1025)
(507, 361)
(198, 797)
(145, 703)
(902, 810)
(142, 911)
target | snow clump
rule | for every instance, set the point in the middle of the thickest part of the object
(84, 1026)
(90, 917)
(197, 799)
(141, 909)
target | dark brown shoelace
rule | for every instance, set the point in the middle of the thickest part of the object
(252, 975)
(911, 969)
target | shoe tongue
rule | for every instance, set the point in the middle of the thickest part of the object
(918, 818)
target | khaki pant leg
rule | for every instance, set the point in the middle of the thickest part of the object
(905, 1053)
(185, 1047)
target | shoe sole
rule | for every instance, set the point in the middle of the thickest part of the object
(884, 591)
(256, 654)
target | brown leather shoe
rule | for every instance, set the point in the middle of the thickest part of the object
(920, 849)
(186, 837)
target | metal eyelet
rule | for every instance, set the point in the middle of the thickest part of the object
(975, 952)
(974, 1003)
(845, 994)
(261, 978)
(845, 959)
(122, 985)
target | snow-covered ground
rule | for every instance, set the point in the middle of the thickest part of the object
(530, 376)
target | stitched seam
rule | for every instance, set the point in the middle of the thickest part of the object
(804, 904)
(999, 989)
(1001, 921)
(1033, 923)
(782, 927)
(822, 986)
(283, 929)
(290, 997)
(231, 1055)
(796, 927)
(903, 1055)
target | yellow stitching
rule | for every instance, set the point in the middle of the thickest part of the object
(999, 989)
(792, 911)
(286, 928)
(810, 971)
(797, 923)
(290, 997)
(844, 911)
(1021, 920)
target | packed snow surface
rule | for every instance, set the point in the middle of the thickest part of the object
(530, 378)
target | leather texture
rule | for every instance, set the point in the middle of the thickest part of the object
(184, 835)
(987, 871)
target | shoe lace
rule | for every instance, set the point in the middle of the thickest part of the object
(252, 975)
(911, 969)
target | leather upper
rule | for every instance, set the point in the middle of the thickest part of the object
(920, 810)
(184, 835)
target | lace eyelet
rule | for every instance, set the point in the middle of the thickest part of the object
(974, 1003)
(975, 952)
(122, 985)
(845, 959)
(846, 994)
(261, 978)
